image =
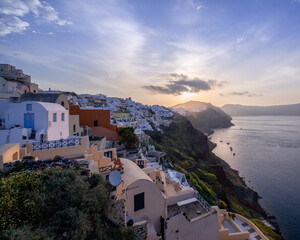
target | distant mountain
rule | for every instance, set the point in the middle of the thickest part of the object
(203, 116)
(240, 110)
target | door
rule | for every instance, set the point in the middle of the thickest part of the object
(29, 120)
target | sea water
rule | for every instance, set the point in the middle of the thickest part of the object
(266, 151)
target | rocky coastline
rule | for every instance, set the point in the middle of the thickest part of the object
(190, 151)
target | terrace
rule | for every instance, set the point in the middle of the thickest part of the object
(235, 227)
(191, 208)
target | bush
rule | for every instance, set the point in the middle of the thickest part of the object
(128, 137)
(26, 233)
(20, 199)
(53, 204)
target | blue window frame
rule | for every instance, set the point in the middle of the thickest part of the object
(54, 117)
(28, 107)
(62, 117)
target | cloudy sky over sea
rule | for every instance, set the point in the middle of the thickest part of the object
(158, 51)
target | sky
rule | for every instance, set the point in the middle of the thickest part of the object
(158, 51)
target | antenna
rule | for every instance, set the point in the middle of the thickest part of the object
(115, 178)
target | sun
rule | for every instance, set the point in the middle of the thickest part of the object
(186, 94)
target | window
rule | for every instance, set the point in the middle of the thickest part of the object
(28, 107)
(95, 123)
(139, 201)
(62, 103)
(54, 117)
(74, 128)
(62, 117)
(108, 154)
(140, 164)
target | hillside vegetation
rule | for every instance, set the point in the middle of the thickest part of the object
(55, 204)
(189, 152)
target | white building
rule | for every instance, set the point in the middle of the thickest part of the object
(33, 121)
(10, 72)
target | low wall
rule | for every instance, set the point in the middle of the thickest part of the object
(140, 229)
(225, 235)
(69, 152)
(240, 217)
(179, 197)
(116, 212)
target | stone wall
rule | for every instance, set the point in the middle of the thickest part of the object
(140, 229)
(117, 212)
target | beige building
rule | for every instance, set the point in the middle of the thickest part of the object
(14, 82)
(165, 209)
(74, 128)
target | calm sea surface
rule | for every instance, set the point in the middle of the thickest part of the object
(267, 153)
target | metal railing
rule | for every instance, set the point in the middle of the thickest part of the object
(36, 146)
(203, 202)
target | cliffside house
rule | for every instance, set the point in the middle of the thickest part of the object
(59, 98)
(32, 121)
(156, 156)
(14, 82)
(97, 120)
(160, 208)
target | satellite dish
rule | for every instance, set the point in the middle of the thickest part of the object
(115, 178)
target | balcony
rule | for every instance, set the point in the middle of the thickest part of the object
(62, 143)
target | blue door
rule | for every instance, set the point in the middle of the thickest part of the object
(29, 120)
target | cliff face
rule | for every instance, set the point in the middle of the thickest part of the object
(189, 152)
(240, 110)
(203, 116)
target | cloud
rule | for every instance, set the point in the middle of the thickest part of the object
(13, 10)
(199, 7)
(241, 39)
(244, 93)
(9, 24)
(180, 83)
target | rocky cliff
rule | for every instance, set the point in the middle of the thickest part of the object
(203, 116)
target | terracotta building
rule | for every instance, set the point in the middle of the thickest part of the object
(97, 120)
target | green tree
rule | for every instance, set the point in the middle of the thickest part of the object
(71, 208)
(56, 203)
(128, 137)
(20, 199)
(26, 233)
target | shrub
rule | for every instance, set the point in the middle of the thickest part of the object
(20, 199)
(128, 137)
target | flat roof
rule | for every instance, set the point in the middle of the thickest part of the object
(187, 201)
(8, 146)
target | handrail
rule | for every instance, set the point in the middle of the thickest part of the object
(37, 146)
(205, 204)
